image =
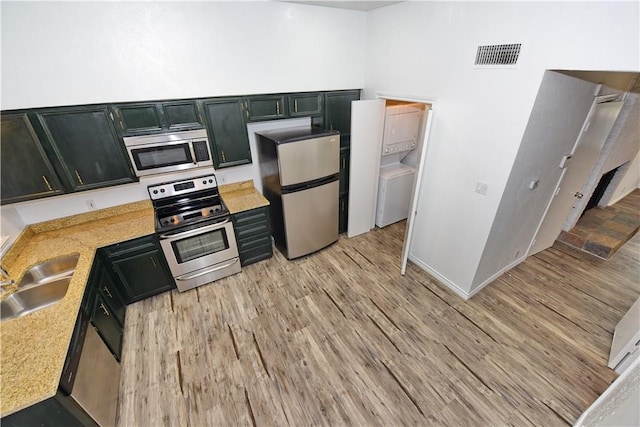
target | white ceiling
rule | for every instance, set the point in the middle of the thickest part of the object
(347, 4)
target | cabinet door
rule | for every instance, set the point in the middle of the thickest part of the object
(111, 296)
(86, 145)
(136, 119)
(181, 115)
(344, 171)
(338, 113)
(305, 104)
(107, 325)
(25, 168)
(143, 274)
(265, 107)
(227, 131)
(343, 216)
(253, 235)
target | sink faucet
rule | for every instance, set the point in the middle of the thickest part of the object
(7, 284)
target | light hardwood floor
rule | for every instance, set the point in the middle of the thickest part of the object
(341, 338)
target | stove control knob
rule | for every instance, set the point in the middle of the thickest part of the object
(204, 181)
(172, 220)
(210, 181)
(162, 190)
(155, 191)
(210, 210)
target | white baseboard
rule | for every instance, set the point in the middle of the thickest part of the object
(620, 197)
(446, 282)
(496, 275)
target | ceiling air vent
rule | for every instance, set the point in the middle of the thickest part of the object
(498, 54)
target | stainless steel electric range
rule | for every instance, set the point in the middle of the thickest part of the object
(195, 231)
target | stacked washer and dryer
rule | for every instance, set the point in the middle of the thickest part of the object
(402, 127)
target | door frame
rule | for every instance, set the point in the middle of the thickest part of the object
(430, 103)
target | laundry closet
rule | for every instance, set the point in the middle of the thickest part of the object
(401, 144)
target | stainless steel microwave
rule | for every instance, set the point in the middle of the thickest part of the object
(168, 152)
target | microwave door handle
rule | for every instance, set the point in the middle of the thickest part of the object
(193, 153)
(202, 273)
(195, 232)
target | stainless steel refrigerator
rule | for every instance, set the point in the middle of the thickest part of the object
(300, 172)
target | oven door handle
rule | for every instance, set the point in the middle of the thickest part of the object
(202, 273)
(197, 231)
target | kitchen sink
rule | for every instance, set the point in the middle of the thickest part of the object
(42, 285)
(48, 271)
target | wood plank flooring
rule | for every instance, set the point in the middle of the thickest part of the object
(340, 338)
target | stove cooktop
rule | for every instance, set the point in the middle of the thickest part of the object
(186, 202)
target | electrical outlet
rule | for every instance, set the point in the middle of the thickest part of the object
(482, 188)
(91, 204)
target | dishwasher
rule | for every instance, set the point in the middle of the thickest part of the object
(91, 374)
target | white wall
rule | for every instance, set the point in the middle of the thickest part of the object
(561, 107)
(67, 53)
(628, 182)
(428, 48)
(10, 227)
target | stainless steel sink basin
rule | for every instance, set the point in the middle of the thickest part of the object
(42, 285)
(49, 270)
(34, 298)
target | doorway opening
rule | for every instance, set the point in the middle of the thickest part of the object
(367, 135)
(601, 188)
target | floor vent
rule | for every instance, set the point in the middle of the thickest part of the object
(498, 54)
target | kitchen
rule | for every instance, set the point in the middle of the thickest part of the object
(121, 72)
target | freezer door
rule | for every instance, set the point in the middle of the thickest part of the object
(308, 159)
(310, 219)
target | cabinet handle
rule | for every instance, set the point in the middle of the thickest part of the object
(344, 163)
(46, 181)
(153, 261)
(223, 158)
(79, 178)
(201, 119)
(295, 105)
(278, 107)
(104, 310)
(106, 290)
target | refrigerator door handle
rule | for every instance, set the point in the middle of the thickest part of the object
(310, 184)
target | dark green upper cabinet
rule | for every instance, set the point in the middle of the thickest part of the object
(182, 115)
(157, 117)
(306, 104)
(265, 107)
(88, 151)
(227, 131)
(338, 113)
(138, 118)
(25, 169)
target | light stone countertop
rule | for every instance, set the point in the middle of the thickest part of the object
(34, 347)
(242, 196)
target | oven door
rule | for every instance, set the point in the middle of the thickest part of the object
(200, 252)
(164, 157)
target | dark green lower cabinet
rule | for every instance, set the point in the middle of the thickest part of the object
(253, 235)
(57, 411)
(107, 325)
(343, 205)
(140, 268)
(104, 306)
